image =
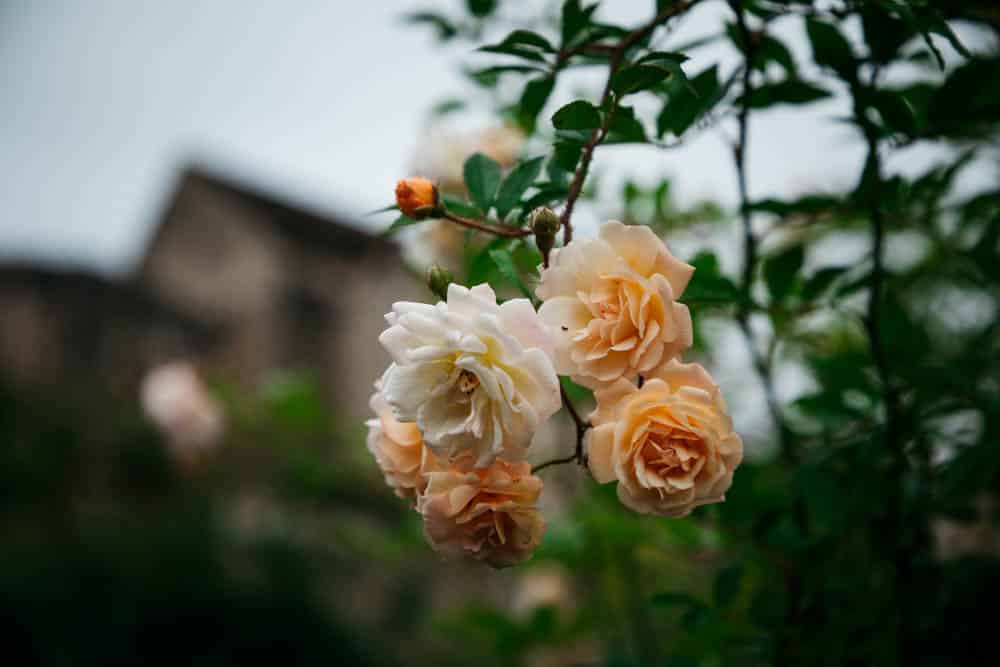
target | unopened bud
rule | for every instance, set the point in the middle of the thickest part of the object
(438, 279)
(417, 197)
(545, 224)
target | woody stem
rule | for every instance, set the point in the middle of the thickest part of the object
(489, 228)
(581, 429)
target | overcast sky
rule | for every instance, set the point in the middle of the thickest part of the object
(319, 101)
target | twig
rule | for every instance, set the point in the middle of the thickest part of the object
(581, 430)
(553, 462)
(617, 55)
(498, 230)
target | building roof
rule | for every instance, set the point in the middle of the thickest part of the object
(88, 290)
(300, 224)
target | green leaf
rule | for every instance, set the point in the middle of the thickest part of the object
(567, 154)
(445, 28)
(517, 182)
(576, 392)
(536, 94)
(807, 204)
(831, 49)
(727, 586)
(490, 76)
(708, 284)
(577, 115)
(781, 271)
(546, 195)
(479, 266)
(896, 112)
(574, 19)
(789, 91)
(884, 33)
(687, 103)
(968, 102)
(398, 223)
(635, 78)
(523, 44)
(662, 57)
(481, 8)
(462, 207)
(818, 283)
(771, 50)
(505, 264)
(384, 209)
(482, 177)
(626, 128)
(446, 107)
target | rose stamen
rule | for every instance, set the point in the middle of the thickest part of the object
(608, 311)
(467, 382)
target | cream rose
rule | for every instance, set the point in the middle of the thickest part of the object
(670, 445)
(489, 514)
(475, 376)
(398, 449)
(610, 306)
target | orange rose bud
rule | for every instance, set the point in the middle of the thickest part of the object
(416, 197)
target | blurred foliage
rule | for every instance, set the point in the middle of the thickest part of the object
(285, 545)
(828, 550)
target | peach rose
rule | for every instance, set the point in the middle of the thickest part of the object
(610, 304)
(416, 197)
(670, 445)
(490, 514)
(398, 449)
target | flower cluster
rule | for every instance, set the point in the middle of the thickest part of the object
(471, 381)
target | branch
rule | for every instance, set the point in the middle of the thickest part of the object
(489, 228)
(617, 55)
(901, 546)
(581, 429)
(760, 363)
(553, 462)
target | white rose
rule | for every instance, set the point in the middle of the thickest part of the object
(475, 377)
(610, 306)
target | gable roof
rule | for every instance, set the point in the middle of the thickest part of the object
(303, 225)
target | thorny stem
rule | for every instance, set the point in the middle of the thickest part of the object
(581, 430)
(489, 228)
(616, 55)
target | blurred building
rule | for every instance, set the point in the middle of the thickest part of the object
(239, 281)
(72, 329)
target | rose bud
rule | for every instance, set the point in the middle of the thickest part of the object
(416, 197)
(545, 224)
(438, 279)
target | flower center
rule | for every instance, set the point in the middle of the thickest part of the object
(673, 453)
(467, 382)
(608, 311)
